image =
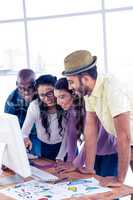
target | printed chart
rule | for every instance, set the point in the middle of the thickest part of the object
(35, 190)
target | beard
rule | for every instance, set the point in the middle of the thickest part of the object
(83, 91)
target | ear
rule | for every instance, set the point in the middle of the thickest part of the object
(85, 79)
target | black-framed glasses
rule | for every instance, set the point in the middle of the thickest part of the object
(48, 94)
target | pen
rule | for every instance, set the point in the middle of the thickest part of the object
(17, 186)
(57, 181)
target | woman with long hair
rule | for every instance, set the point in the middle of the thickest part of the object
(47, 117)
(73, 117)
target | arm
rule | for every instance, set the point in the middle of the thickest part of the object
(72, 138)
(29, 120)
(9, 106)
(79, 161)
(122, 126)
(69, 143)
(63, 148)
(28, 124)
(90, 133)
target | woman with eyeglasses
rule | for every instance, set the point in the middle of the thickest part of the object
(47, 117)
(106, 159)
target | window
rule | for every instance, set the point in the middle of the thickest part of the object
(11, 9)
(7, 84)
(118, 3)
(51, 40)
(12, 47)
(40, 33)
(37, 8)
(119, 40)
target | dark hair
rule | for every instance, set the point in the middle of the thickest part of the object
(79, 105)
(62, 84)
(91, 72)
(48, 80)
(26, 74)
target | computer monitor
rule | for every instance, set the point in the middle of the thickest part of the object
(12, 149)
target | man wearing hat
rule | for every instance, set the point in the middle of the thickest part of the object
(108, 100)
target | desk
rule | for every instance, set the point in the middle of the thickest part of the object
(115, 193)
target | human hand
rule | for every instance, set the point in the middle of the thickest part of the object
(28, 143)
(3, 167)
(58, 165)
(66, 167)
(110, 181)
(59, 162)
(84, 170)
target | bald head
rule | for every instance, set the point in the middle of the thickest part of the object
(25, 83)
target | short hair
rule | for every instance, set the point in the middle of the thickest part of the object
(26, 74)
(91, 72)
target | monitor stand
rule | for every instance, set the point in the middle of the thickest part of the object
(9, 179)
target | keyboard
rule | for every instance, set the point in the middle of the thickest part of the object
(42, 175)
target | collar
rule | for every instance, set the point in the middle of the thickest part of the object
(98, 86)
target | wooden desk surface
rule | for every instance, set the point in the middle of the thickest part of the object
(124, 190)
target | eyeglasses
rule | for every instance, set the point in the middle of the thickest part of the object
(48, 94)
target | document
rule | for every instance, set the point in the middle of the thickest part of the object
(35, 190)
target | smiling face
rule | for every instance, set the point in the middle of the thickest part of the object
(46, 94)
(26, 89)
(75, 83)
(26, 84)
(64, 98)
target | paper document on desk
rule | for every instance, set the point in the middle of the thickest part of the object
(32, 190)
(78, 188)
(35, 190)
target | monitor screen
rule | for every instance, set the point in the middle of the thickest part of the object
(14, 155)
